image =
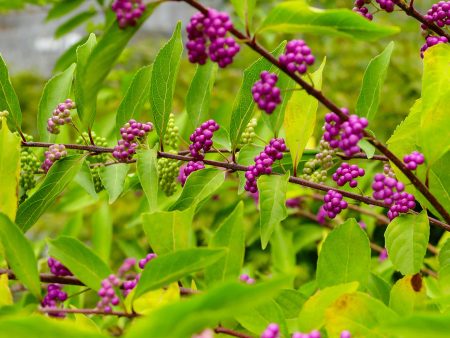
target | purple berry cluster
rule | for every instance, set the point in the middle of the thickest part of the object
(321, 214)
(387, 5)
(297, 57)
(383, 255)
(344, 135)
(61, 116)
(402, 203)
(54, 296)
(345, 334)
(107, 293)
(128, 12)
(432, 41)
(265, 92)
(207, 36)
(263, 163)
(413, 160)
(146, 259)
(348, 173)
(272, 331)
(439, 14)
(360, 8)
(312, 334)
(333, 203)
(54, 153)
(293, 202)
(201, 139)
(57, 268)
(188, 169)
(246, 278)
(132, 132)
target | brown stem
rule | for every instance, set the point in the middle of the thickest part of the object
(253, 44)
(89, 312)
(230, 332)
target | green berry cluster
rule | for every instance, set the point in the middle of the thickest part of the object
(249, 133)
(168, 172)
(29, 166)
(315, 170)
(171, 136)
(101, 158)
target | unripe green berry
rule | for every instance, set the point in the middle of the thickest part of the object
(249, 135)
(168, 172)
(172, 133)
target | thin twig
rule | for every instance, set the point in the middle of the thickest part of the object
(230, 332)
(89, 312)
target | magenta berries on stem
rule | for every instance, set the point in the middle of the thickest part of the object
(146, 259)
(201, 139)
(345, 334)
(402, 203)
(107, 293)
(54, 153)
(246, 278)
(61, 116)
(347, 173)
(413, 160)
(57, 268)
(207, 35)
(360, 8)
(387, 5)
(132, 133)
(432, 41)
(334, 203)
(297, 57)
(439, 14)
(188, 169)
(312, 334)
(344, 134)
(272, 331)
(265, 92)
(263, 163)
(53, 297)
(383, 255)
(128, 12)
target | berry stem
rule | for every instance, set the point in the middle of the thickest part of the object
(88, 312)
(230, 332)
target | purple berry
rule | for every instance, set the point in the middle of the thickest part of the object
(413, 160)
(132, 133)
(128, 12)
(188, 169)
(387, 5)
(54, 296)
(297, 57)
(348, 173)
(432, 41)
(272, 331)
(345, 334)
(54, 153)
(439, 14)
(265, 93)
(57, 268)
(201, 139)
(60, 116)
(333, 203)
(383, 255)
(246, 278)
(293, 202)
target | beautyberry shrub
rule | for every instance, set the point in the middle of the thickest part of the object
(265, 92)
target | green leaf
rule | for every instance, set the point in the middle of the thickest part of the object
(147, 170)
(93, 70)
(374, 76)
(9, 170)
(205, 310)
(378, 288)
(435, 118)
(6, 297)
(169, 231)
(434, 325)
(300, 118)
(164, 76)
(282, 251)
(69, 56)
(85, 180)
(136, 96)
(229, 235)
(56, 90)
(20, 255)
(290, 302)
(367, 147)
(199, 186)
(257, 319)
(244, 104)
(102, 231)
(272, 204)
(113, 178)
(173, 266)
(62, 8)
(8, 98)
(199, 93)
(406, 298)
(312, 314)
(40, 326)
(58, 177)
(245, 10)
(74, 22)
(297, 16)
(345, 256)
(80, 260)
(406, 242)
(358, 313)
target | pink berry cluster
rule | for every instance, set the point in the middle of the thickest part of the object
(246, 278)
(128, 12)
(383, 255)
(345, 334)
(132, 132)
(391, 191)
(188, 169)
(312, 334)
(387, 5)
(207, 37)
(272, 331)
(439, 14)
(61, 116)
(431, 41)
(143, 262)
(57, 268)
(263, 163)
(344, 134)
(201, 139)
(54, 296)
(54, 153)
(334, 203)
(293, 202)
(265, 92)
(321, 215)
(297, 57)
(413, 160)
(107, 293)
(348, 173)
(360, 7)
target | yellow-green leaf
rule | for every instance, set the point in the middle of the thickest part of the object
(5, 292)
